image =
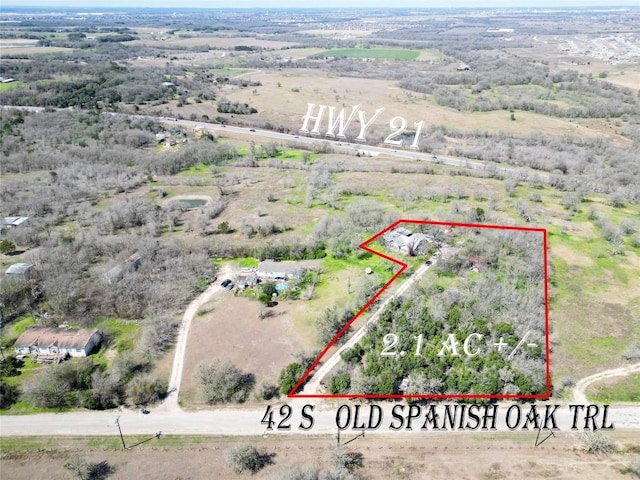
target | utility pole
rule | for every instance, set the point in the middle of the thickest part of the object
(348, 285)
(120, 430)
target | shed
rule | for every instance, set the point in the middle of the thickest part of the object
(19, 270)
(56, 341)
(14, 221)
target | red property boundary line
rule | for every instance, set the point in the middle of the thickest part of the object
(403, 266)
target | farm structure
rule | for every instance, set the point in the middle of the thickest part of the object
(19, 270)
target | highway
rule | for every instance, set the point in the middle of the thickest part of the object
(335, 145)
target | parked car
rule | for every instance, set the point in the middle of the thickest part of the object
(144, 411)
(428, 262)
(229, 286)
(225, 282)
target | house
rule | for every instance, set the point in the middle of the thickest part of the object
(19, 270)
(13, 221)
(57, 341)
(405, 241)
(271, 270)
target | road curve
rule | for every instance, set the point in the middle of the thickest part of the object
(579, 395)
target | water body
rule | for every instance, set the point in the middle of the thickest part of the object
(191, 203)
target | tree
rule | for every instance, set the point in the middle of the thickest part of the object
(78, 467)
(289, 376)
(8, 394)
(7, 246)
(247, 458)
(343, 462)
(596, 443)
(266, 292)
(340, 383)
(145, 389)
(224, 382)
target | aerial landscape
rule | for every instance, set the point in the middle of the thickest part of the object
(339, 242)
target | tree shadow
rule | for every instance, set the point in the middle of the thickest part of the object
(100, 471)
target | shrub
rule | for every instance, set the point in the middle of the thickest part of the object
(247, 458)
(596, 443)
(224, 382)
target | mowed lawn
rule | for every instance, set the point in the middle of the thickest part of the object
(385, 53)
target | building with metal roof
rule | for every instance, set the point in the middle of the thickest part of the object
(56, 341)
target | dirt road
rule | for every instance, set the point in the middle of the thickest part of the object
(170, 404)
(313, 386)
(581, 387)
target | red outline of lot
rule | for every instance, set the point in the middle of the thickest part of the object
(403, 266)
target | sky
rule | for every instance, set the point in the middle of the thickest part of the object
(320, 3)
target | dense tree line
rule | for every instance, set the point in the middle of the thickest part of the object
(503, 301)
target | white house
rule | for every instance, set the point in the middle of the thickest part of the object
(272, 270)
(56, 341)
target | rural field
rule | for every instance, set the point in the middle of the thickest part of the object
(194, 186)
(495, 456)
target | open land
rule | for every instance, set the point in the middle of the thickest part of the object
(506, 120)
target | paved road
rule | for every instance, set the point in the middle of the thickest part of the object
(313, 386)
(353, 148)
(246, 422)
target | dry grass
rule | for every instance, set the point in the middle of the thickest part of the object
(284, 105)
(232, 331)
(434, 456)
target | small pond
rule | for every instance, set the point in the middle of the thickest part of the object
(190, 203)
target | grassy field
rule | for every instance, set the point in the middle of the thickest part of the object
(7, 86)
(616, 390)
(380, 53)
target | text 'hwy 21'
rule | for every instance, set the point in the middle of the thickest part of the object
(338, 123)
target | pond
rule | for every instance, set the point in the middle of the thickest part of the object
(190, 203)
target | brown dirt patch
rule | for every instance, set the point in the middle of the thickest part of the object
(571, 256)
(230, 330)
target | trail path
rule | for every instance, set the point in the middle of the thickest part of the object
(313, 385)
(579, 390)
(170, 404)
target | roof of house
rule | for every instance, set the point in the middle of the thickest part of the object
(58, 337)
(270, 266)
(18, 269)
(14, 221)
